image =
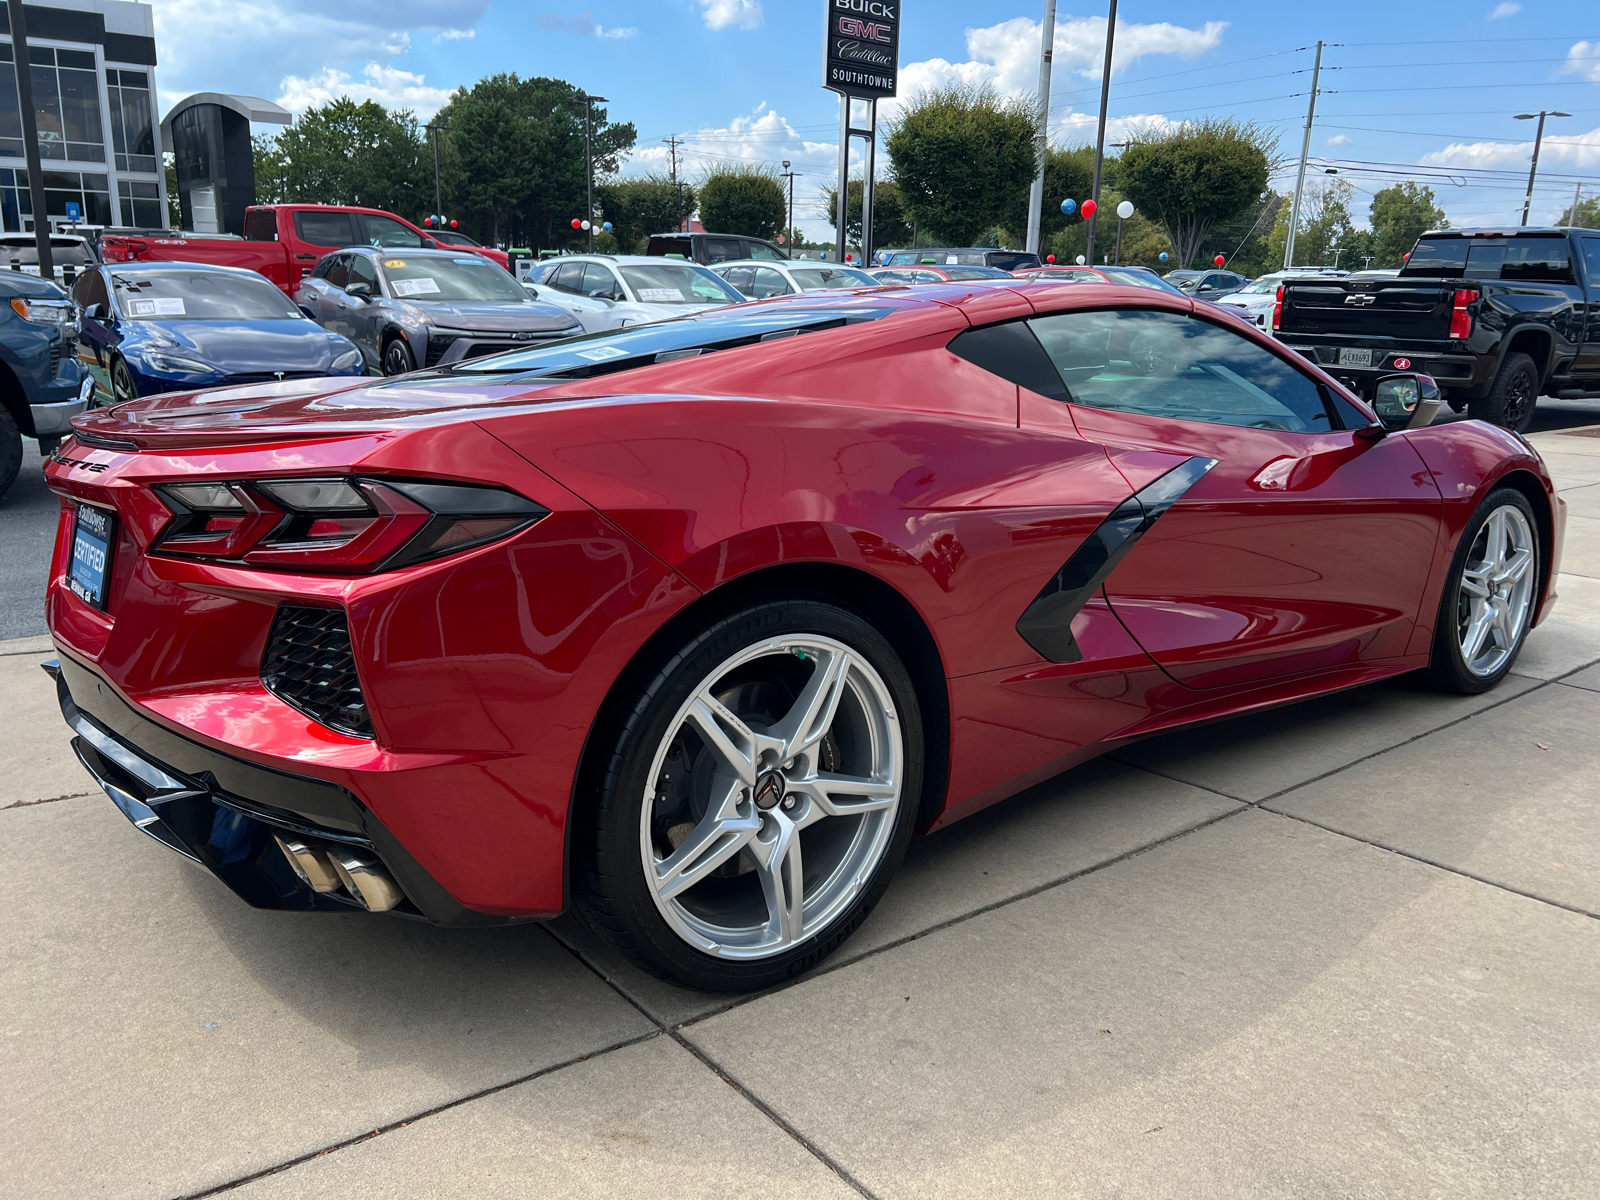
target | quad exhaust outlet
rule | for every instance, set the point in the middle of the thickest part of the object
(330, 868)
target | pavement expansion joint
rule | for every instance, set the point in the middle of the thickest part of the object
(1428, 862)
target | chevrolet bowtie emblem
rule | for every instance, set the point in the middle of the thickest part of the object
(1359, 299)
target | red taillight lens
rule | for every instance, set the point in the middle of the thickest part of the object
(1277, 308)
(1460, 318)
(341, 525)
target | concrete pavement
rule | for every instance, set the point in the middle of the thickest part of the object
(1344, 949)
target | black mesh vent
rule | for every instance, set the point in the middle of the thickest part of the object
(309, 664)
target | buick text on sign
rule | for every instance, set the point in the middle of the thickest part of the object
(862, 54)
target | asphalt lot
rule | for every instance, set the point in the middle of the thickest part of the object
(1348, 948)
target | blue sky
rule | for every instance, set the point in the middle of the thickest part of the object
(1421, 89)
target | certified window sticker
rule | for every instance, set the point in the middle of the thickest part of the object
(601, 353)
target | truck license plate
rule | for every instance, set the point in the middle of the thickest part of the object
(91, 554)
(1355, 358)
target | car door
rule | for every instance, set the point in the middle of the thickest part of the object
(332, 307)
(96, 335)
(1588, 363)
(766, 282)
(569, 280)
(359, 317)
(740, 279)
(1304, 545)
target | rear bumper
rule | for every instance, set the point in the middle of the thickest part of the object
(224, 813)
(1457, 372)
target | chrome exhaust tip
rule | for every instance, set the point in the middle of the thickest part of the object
(310, 863)
(365, 879)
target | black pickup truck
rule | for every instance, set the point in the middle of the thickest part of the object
(1499, 317)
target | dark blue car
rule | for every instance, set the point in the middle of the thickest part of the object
(172, 327)
(40, 383)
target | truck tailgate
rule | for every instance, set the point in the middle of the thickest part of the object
(266, 258)
(1398, 308)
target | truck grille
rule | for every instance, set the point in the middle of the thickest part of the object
(309, 664)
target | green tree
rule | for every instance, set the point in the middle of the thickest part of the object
(271, 169)
(889, 224)
(962, 157)
(743, 199)
(1324, 224)
(1195, 177)
(169, 166)
(1243, 241)
(637, 208)
(349, 153)
(1400, 214)
(1582, 214)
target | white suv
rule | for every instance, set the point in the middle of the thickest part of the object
(613, 291)
(758, 279)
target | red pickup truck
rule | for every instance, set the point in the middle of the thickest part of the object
(284, 241)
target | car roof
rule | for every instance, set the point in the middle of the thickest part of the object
(626, 260)
(158, 266)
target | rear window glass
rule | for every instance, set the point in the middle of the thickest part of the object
(1532, 259)
(1006, 261)
(1540, 260)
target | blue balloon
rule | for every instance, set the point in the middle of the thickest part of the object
(606, 227)
(1163, 256)
(1069, 207)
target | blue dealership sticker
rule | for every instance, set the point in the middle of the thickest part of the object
(91, 550)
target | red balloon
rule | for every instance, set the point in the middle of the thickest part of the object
(1050, 258)
(452, 224)
(1219, 259)
(1088, 209)
(577, 222)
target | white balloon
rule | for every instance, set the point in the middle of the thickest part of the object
(1081, 260)
(586, 224)
(1125, 209)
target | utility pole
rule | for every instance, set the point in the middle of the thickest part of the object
(588, 152)
(30, 137)
(438, 195)
(1538, 140)
(1577, 196)
(1100, 137)
(1047, 41)
(673, 143)
(789, 175)
(1305, 152)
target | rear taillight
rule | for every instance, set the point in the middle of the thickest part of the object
(1460, 318)
(342, 525)
(1277, 308)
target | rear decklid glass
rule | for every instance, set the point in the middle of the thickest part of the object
(1528, 258)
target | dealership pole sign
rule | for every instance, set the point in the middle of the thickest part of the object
(862, 55)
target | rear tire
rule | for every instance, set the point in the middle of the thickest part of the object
(691, 853)
(1512, 396)
(10, 450)
(1491, 595)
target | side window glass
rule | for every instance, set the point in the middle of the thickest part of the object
(1012, 352)
(90, 289)
(597, 278)
(741, 280)
(338, 270)
(1591, 256)
(324, 228)
(762, 250)
(568, 277)
(386, 231)
(768, 283)
(261, 225)
(723, 250)
(1167, 365)
(362, 271)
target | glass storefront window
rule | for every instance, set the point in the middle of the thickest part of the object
(141, 204)
(66, 101)
(90, 191)
(132, 129)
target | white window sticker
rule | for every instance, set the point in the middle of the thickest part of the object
(601, 353)
(162, 306)
(950, 260)
(414, 287)
(469, 262)
(660, 295)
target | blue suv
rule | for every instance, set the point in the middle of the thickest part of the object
(41, 384)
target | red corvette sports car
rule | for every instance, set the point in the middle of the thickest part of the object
(692, 626)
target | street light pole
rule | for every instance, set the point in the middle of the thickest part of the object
(1100, 137)
(789, 175)
(1538, 139)
(1047, 40)
(438, 195)
(588, 153)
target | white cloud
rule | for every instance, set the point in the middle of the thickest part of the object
(719, 14)
(389, 86)
(1579, 150)
(1504, 10)
(453, 35)
(761, 136)
(1006, 57)
(1584, 59)
(584, 25)
(1340, 139)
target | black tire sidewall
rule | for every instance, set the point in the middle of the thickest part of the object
(1447, 666)
(617, 898)
(10, 451)
(118, 366)
(1492, 408)
(390, 347)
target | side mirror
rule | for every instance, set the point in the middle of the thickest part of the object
(429, 243)
(602, 294)
(1408, 401)
(361, 291)
(1205, 287)
(95, 312)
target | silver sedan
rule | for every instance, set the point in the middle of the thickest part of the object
(426, 308)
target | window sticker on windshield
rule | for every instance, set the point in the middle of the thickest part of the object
(660, 295)
(394, 262)
(470, 262)
(413, 287)
(165, 306)
(949, 260)
(601, 353)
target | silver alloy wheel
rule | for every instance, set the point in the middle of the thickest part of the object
(789, 813)
(1495, 600)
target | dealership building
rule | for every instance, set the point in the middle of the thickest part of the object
(94, 94)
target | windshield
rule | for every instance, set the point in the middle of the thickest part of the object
(1137, 279)
(469, 277)
(199, 296)
(678, 283)
(817, 279)
(663, 341)
(977, 272)
(1269, 284)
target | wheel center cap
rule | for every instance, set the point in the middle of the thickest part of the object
(769, 789)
